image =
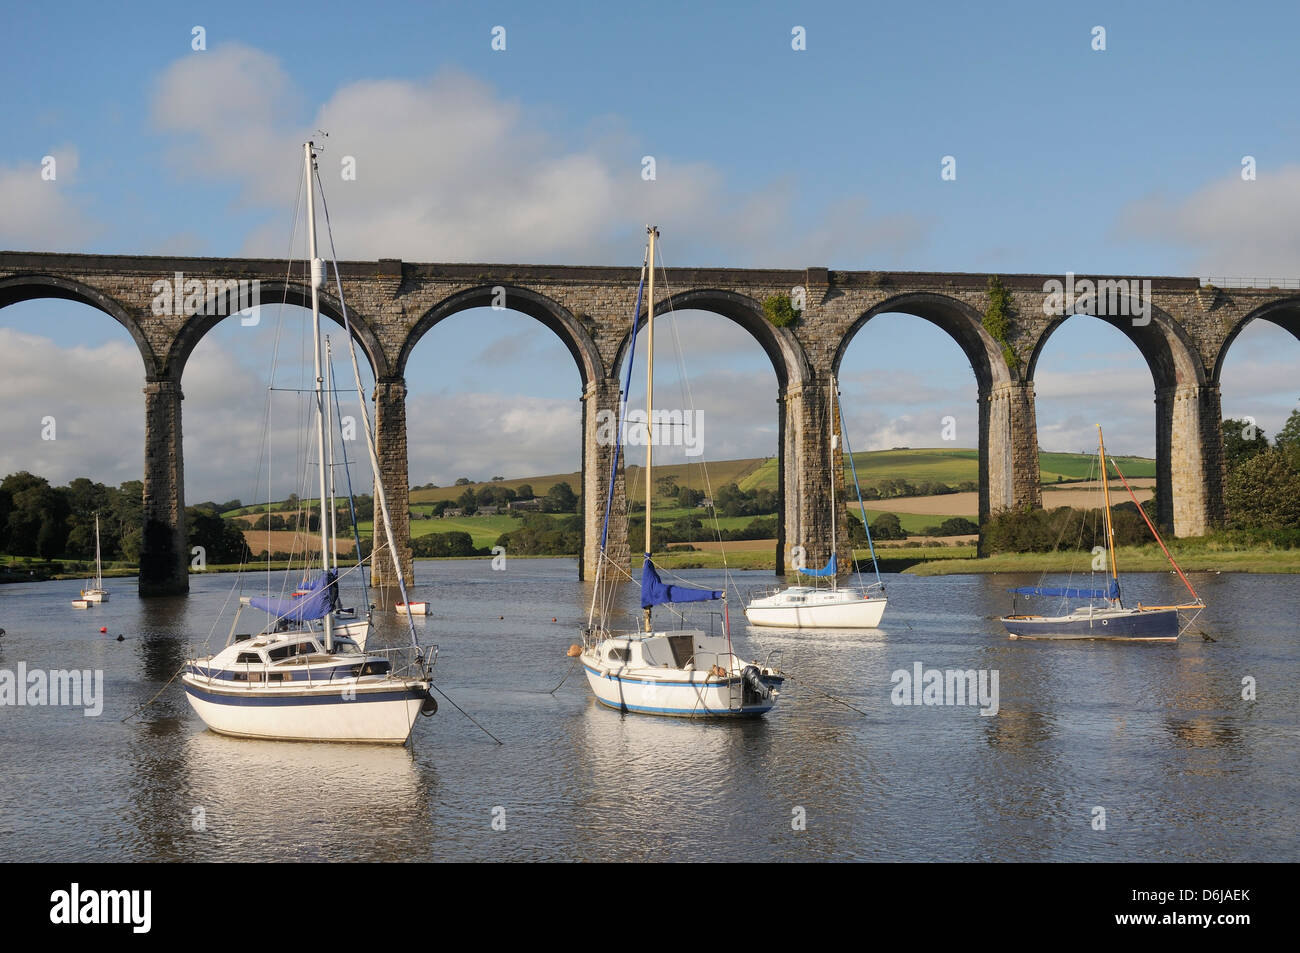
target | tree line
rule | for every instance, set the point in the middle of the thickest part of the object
(41, 521)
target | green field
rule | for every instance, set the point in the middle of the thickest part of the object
(1262, 559)
(955, 466)
(938, 465)
(484, 530)
(685, 474)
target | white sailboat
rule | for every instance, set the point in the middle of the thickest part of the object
(303, 678)
(676, 672)
(97, 592)
(832, 606)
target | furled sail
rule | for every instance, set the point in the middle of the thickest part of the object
(321, 594)
(654, 591)
(1111, 592)
(828, 570)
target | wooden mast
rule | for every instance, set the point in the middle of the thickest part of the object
(650, 397)
(1105, 488)
(834, 441)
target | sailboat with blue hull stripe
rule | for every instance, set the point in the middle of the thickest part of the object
(307, 675)
(1104, 617)
(682, 673)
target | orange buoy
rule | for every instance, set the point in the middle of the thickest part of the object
(574, 651)
(552, 618)
(103, 628)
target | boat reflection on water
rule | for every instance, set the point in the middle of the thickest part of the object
(241, 789)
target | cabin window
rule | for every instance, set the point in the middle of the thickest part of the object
(249, 658)
(620, 655)
(288, 651)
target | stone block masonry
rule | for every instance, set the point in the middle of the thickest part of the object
(392, 304)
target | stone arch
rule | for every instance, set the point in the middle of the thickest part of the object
(1284, 312)
(1188, 439)
(274, 293)
(963, 323)
(1163, 342)
(524, 300)
(780, 344)
(18, 288)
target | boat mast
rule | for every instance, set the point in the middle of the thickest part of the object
(835, 576)
(329, 423)
(1105, 489)
(99, 569)
(649, 396)
(317, 278)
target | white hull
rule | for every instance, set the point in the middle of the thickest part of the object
(95, 595)
(323, 714)
(357, 631)
(700, 679)
(699, 697)
(817, 609)
(417, 608)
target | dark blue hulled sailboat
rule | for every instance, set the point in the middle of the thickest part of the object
(1105, 616)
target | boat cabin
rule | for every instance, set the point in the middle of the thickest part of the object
(687, 650)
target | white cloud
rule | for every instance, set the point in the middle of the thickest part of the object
(41, 214)
(482, 435)
(447, 170)
(1229, 227)
(98, 417)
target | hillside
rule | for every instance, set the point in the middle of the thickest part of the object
(685, 474)
(951, 466)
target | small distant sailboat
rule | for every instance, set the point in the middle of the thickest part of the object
(678, 672)
(97, 592)
(1105, 616)
(833, 606)
(304, 678)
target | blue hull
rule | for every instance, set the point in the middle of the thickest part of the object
(1131, 624)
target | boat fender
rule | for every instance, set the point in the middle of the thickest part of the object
(574, 651)
(717, 671)
(750, 675)
(430, 704)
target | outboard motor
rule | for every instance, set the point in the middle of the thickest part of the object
(755, 690)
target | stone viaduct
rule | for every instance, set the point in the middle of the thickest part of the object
(392, 304)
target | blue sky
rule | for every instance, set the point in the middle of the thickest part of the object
(1120, 161)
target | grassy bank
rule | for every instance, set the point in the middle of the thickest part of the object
(1129, 558)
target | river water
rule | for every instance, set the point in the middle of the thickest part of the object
(1158, 737)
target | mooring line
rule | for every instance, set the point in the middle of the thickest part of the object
(572, 665)
(465, 713)
(155, 698)
(814, 688)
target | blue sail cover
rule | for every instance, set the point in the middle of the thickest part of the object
(827, 570)
(1111, 592)
(314, 605)
(654, 591)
